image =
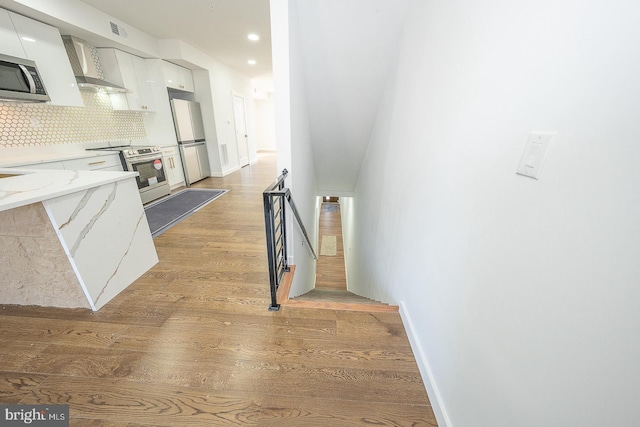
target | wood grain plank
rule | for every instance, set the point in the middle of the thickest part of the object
(345, 306)
(191, 342)
(381, 356)
(296, 411)
(123, 401)
(72, 361)
(232, 324)
(184, 368)
(357, 327)
(79, 422)
(14, 354)
(328, 382)
(15, 386)
(282, 295)
(61, 331)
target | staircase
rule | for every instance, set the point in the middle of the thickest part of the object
(332, 299)
(330, 292)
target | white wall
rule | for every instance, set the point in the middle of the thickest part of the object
(293, 139)
(282, 90)
(521, 296)
(216, 97)
(86, 22)
(347, 51)
(348, 228)
(265, 124)
(224, 83)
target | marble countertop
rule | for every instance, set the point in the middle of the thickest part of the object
(31, 186)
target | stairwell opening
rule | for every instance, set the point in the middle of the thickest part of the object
(330, 289)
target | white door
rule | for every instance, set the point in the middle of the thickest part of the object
(241, 130)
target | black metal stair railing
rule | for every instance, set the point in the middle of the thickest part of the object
(275, 222)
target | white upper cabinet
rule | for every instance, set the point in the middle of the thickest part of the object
(159, 126)
(177, 77)
(130, 72)
(42, 43)
(171, 75)
(10, 41)
(186, 79)
(145, 84)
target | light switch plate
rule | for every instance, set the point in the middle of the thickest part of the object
(535, 153)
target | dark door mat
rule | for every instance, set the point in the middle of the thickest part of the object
(167, 212)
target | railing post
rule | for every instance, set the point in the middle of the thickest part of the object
(278, 258)
(267, 200)
(283, 222)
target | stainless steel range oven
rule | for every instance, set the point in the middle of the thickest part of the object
(148, 162)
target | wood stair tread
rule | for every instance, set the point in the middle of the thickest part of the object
(339, 300)
(334, 295)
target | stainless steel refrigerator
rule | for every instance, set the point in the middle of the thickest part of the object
(187, 119)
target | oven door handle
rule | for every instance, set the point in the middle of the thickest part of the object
(143, 159)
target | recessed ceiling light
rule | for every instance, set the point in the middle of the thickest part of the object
(253, 37)
(251, 62)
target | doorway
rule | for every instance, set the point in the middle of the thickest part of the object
(330, 267)
(241, 130)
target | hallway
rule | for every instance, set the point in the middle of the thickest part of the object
(191, 343)
(330, 272)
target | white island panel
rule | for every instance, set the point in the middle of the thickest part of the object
(105, 233)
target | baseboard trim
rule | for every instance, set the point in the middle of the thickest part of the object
(425, 370)
(225, 172)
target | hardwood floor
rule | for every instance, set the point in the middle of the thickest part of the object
(330, 271)
(191, 343)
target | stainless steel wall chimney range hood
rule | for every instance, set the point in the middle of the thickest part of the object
(85, 63)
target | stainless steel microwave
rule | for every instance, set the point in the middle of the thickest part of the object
(20, 81)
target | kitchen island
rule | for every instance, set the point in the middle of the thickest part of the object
(70, 238)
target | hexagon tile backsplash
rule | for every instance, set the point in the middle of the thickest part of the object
(29, 125)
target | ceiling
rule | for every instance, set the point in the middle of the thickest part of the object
(347, 52)
(218, 28)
